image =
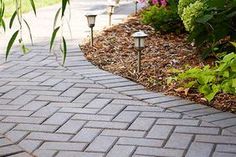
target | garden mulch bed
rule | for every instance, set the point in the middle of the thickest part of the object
(114, 51)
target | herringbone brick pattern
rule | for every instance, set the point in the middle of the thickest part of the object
(49, 110)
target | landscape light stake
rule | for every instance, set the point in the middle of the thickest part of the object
(110, 11)
(91, 23)
(139, 44)
(136, 6)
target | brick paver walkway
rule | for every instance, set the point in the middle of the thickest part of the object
(80, 111)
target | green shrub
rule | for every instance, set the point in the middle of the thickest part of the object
(183, 4)
(191, 13)
(209, 81)
(163, 19)
(209, 22)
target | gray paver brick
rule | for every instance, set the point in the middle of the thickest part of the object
(126, 116)
(36, 127)
(98, 103)
(142, 124)
(92, 117)
(121, 151)
(29, 120)
(160, 131)
(199, 149)
(4, 142)
(13, 94)
(159, 152)
(77, 154)
(79, 110)
(178, 122)
(101, 144)
(219, 154)
(21, 155)
(143, 108)
(73, 92)
(4, 127)
(44, 153)
(179, 141)
(226, 148)
(4, 151)
(226, 122)
(217, 116)
(123, 133)
(63, 146)
(34, 105)
(107, 125)
(48, 136)
(46, 111)
(29, 145)
(54, 98)
(23, 99)
(86, 135)
(15, 113)
(71, 127)
(140, 142)
(216, 139)
(111, 109)
(160, 115)
(58, 118)
(197, 130)
(16, 136)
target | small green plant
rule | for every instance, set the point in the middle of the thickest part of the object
(210, 81)
(163, 18)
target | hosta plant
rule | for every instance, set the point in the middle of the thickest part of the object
(210, 81)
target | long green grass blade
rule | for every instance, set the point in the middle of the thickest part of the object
(33, 6)
(53, 37)
(64, 3)
(64, 50)
(56, 18)
(12, 19)
(10, 43)
(30, 33)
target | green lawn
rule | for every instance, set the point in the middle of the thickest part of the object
(10, 5)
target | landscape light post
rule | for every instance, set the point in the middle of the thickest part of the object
(91, 23)
(136, 6)
(110, 11)
(139, 43)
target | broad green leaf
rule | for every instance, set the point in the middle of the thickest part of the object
(234, 83)
(204, 19)
(234, 44)
(12, 19)
(215, 90)
(33, 6)
(53, 37)
(64, 50)
(10, 43)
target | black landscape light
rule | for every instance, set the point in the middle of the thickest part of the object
(139, 43)
(91, 23)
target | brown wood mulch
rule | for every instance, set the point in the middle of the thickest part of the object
(114, 51)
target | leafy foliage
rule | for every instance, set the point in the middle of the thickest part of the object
(163, 19)
(18, 14)
(211, 80)
(191, 13)
(183, 4)
(209, 22)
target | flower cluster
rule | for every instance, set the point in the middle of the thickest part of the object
(155, 2)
